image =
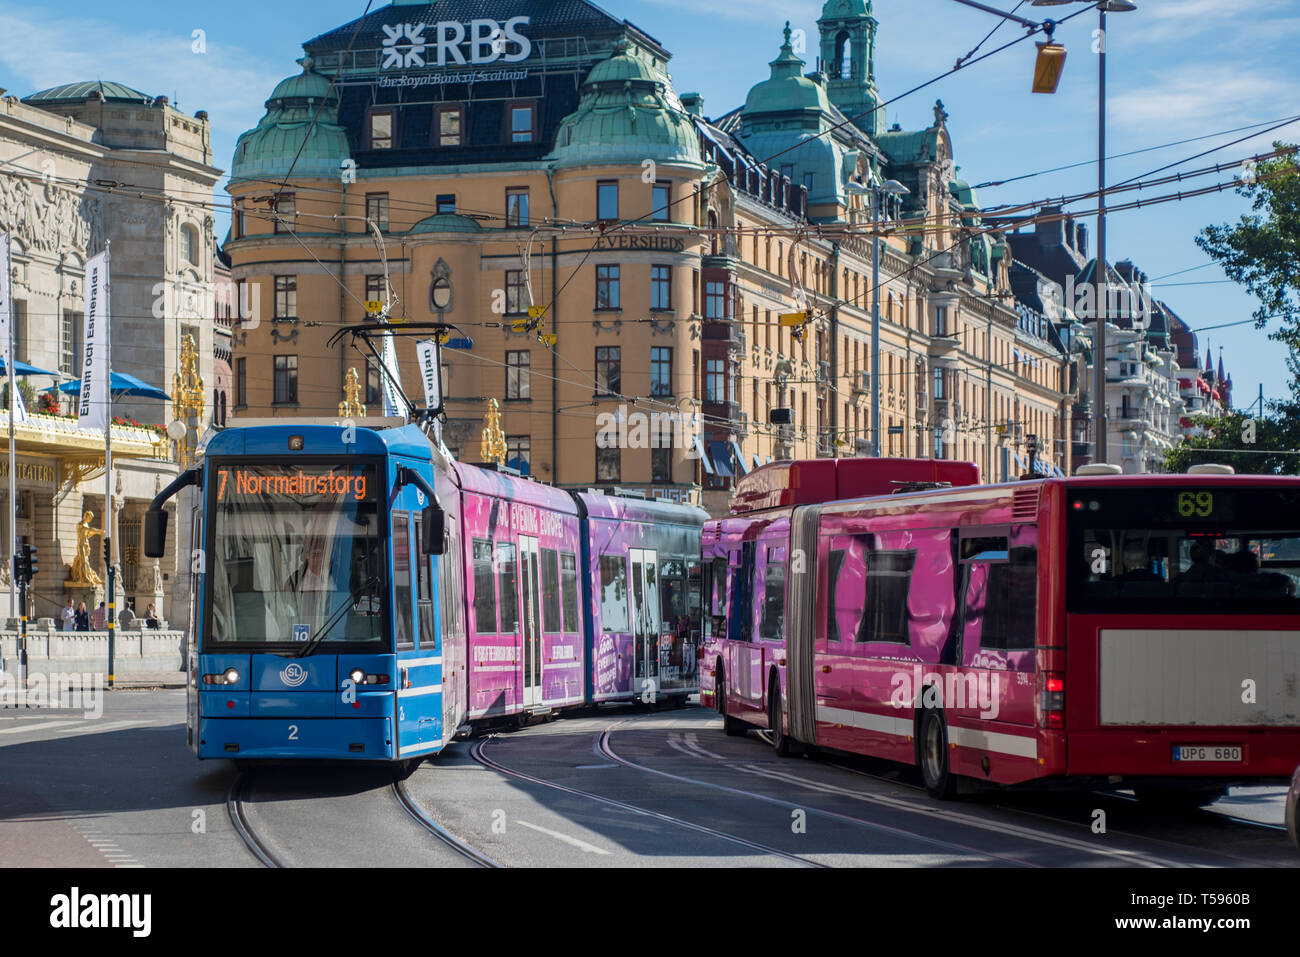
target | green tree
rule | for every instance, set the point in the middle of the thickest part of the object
(1262, 252)
(1255, 444)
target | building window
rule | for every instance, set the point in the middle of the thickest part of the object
(449, 125)
(661, 465)
(608, 370)
(21, 352)
(374, 394)
(241, 382)
(517, 206)
(375, 291)
(286, 378)
(380, 129)
(239, 220)
(715, 300)
(377, 210)
(286, 297)
(715, 380)
(518, 364)
(516, 292)
(787, 171)
(608, 465)
(607, 287)
(286, 213)
(661, 203)
(190, 244)
(938, 443)
(808, 182)
(522, 127)
(938, 384)
(941, 320)
(607, 200)
(446, 203)
(519, 452)
(661, 371)
(661, 287)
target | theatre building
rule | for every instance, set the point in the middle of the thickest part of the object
(65, 155)
(466, 160)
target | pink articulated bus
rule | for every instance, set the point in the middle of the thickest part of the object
(1118, 631)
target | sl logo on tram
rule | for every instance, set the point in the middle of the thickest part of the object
(293, 674)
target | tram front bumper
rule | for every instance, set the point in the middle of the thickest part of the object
(358, 739)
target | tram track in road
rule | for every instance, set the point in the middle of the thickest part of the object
(421, 817)
(239, 819)
(1061, 818)
(477, 753)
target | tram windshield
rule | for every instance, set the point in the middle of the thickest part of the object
(295, 555)
(1192, 551)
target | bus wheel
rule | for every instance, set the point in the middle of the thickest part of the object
(780, 740)
(1178, 799)
(934, 756)
(732, 726)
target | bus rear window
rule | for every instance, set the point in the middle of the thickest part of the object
(1169, 551)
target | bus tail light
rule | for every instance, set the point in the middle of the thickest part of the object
(1051, 700)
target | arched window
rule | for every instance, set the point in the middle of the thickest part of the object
(190, 244)
(843, 56)
(715, 241)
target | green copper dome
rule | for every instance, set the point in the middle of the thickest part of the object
(268, 151)
(77, 92)
(628, 113)
(446, 223)
(787, 90)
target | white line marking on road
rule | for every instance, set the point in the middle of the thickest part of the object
(580, 845)
(37, 726)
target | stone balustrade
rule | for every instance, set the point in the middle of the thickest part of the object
(135, 650)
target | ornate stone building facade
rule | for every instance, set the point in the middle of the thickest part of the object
(559, 167)
(80, 165)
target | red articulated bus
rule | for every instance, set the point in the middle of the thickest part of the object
(1130, 631)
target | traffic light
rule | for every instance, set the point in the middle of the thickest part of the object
(25, 563)
(32, 565)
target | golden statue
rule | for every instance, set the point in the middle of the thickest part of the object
(82, 571)
(492, 446)
(351, 407)
(187, 398)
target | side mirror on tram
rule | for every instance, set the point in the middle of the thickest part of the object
(155, 533)
(434, 530)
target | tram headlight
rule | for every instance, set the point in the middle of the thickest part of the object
(229, 677)
(357, 675)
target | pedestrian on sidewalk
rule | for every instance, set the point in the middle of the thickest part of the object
(127, 618)
(97, 620)
(68, 616)
(83, 617)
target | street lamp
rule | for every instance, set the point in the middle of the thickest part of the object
(1101, 276)
(896, 189)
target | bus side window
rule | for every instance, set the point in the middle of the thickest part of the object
(424, 589)
(551, 592)
(741, 624)
(402, 608)
(772, 625)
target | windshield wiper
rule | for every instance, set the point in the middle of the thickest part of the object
(334, 617)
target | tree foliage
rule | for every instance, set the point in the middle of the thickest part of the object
(1262, 252)
(1254, 444)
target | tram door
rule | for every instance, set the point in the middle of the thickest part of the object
(530, 570)
(645, 621)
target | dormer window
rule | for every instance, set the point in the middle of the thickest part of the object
(380, 129)
(450, 122)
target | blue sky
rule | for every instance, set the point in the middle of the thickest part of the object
(1177, 69)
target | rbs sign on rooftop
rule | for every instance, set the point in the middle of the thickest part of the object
(407, 45)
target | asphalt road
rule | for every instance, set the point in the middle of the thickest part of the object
(620, 787)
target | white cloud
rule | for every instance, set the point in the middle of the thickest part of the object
(1200, 96)
(228, 82)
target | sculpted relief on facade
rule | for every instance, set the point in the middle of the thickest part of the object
(50, 219)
